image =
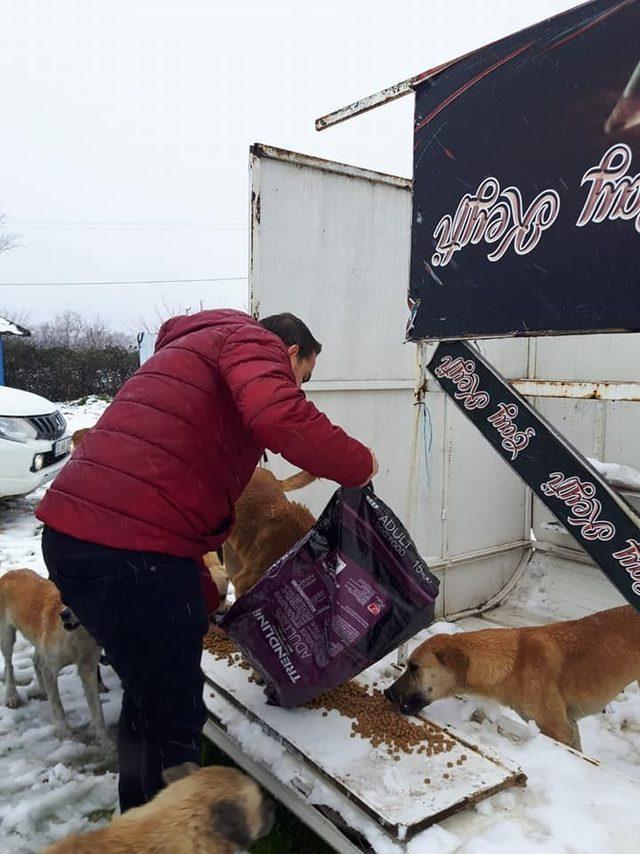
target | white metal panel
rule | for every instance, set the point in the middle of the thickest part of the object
(331, 244)
(334, 249)
(605, 428)
(509, 356)
(486, 501)
(588, 358)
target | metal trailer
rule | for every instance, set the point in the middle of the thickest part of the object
(330, 242)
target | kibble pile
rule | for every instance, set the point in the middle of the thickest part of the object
(377, 720)
(224, 649)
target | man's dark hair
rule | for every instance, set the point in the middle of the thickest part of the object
(292, 330)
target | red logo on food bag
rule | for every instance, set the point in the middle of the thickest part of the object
(374, 608)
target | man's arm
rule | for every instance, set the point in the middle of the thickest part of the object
(255, 367)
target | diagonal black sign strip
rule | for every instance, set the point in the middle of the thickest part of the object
(597, 517)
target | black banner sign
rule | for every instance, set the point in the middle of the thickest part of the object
(526, 206)
(592, 512)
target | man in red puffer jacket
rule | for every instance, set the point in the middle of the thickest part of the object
(152, 488)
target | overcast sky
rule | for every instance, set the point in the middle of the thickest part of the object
(126, 127)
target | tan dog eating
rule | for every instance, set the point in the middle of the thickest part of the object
(553, 674)
(32, 606)
(201, 811)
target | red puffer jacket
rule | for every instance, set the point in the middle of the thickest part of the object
(165, 464)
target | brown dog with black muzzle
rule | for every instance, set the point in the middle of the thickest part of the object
(202, 811)
(553, 674)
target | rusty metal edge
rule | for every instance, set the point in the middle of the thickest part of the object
(517, 333)
(578, 389)
(516, 778)
(606, 390)
(259, 150)
(384, 96)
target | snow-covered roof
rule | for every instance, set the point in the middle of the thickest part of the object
(7, 327)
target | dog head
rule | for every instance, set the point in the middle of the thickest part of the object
(68, 619)
(436, 669)
(229, 804)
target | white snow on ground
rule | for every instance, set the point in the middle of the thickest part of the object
(623, 477)
(49, 788)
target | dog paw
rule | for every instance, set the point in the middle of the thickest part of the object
(12, 700)
(63, 732)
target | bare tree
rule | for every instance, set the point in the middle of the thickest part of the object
(65, 330)
(8, 240)
(72, 331)
(98, 335)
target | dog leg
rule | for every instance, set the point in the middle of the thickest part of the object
(555, 724)
(59, 718)
(89, 677)
(576, 742)
(38, 691)
(7, 640)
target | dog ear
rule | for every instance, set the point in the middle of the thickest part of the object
(177, 772)
(229, 821)
(453, 658)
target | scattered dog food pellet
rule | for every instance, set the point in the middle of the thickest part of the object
(427, 781)
(325, 714)
(373, 716)
(224, 649)
(449, 764)
(445, 776)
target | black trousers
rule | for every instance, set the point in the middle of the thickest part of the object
(148, 613)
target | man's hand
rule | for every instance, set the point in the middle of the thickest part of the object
(374, 471)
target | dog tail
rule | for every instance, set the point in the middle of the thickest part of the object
(297, 481)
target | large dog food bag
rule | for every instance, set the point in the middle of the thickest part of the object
(353, 589)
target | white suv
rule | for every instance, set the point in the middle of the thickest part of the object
(33, 441)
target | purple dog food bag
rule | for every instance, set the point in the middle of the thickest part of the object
(352, 590)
